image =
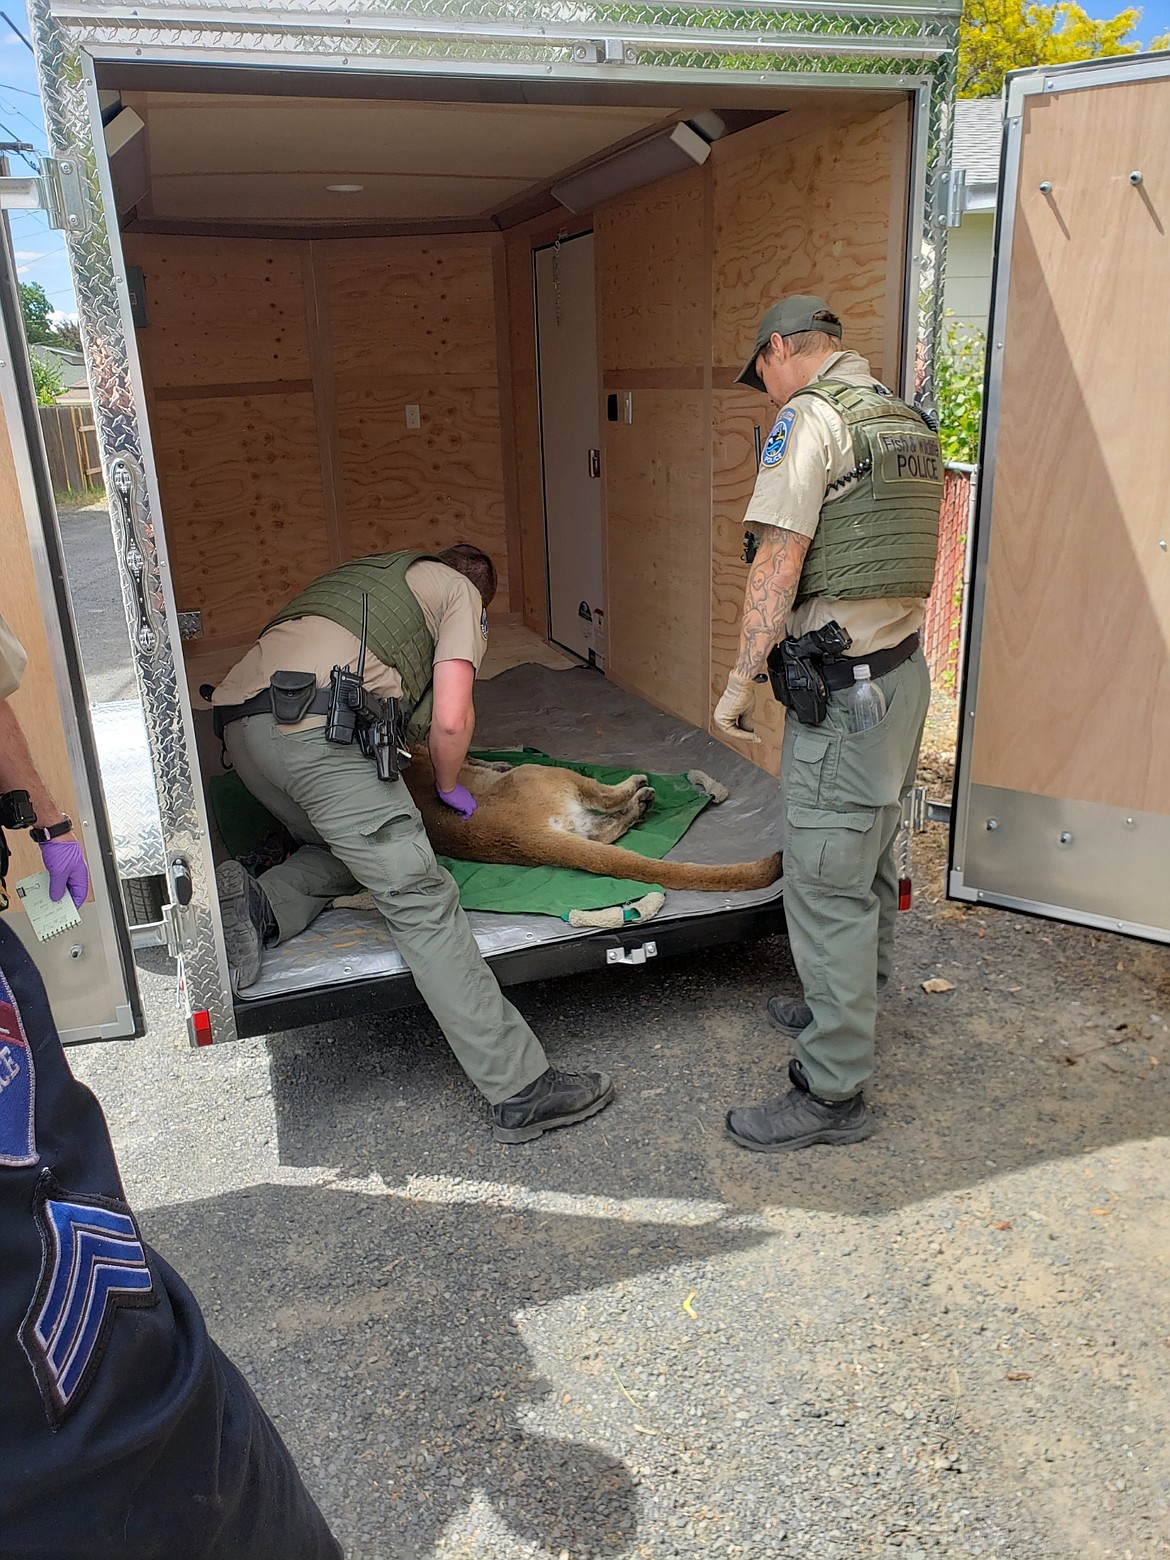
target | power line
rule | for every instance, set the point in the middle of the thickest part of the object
(18, 32)
(40, 129)
(24, 92)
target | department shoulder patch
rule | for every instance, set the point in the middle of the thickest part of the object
(93, 1266)
(483, 626)
(18, 1086)
(777, 445)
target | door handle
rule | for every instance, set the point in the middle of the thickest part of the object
(594, 463)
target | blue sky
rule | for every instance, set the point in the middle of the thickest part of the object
(40, 252)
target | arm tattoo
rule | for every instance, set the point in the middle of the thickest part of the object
(771, 590)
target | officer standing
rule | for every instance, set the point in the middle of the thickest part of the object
(845, 513)
(427, 633)
(125, 1434)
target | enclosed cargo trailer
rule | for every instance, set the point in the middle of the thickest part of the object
(336, 271)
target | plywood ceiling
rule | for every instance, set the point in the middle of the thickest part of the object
(268, 159)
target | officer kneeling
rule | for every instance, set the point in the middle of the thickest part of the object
(395, 641)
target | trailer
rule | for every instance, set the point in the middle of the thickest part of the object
(363, 277)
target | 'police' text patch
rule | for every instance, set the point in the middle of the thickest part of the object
(909, 457)
(777, 445)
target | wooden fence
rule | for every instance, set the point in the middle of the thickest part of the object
(72, 447)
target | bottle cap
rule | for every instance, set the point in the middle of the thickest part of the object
(861, 671)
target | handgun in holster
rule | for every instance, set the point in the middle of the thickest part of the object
(16, 812)
(795, 671)
(375, 724)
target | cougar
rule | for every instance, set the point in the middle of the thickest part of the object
(530, 815)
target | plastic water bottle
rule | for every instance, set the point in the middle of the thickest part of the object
(867, 704)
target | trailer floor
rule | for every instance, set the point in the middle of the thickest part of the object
(572, 713)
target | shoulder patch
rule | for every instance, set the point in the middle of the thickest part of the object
(483, 628)
(93, 1265)
(777, 445)
(18, 1086)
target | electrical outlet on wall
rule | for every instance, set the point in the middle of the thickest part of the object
(413, 417)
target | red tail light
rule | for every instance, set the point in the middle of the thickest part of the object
(201, 1026)
(905, 893)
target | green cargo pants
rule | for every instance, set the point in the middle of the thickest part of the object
(357, 831)
(843, 795)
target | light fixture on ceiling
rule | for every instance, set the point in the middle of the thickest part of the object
(344, 189)
(658, 156)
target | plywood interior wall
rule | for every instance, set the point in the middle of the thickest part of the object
(813, 201)
(278, 374)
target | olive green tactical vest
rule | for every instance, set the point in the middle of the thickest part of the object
(398, 633)
(881, 538)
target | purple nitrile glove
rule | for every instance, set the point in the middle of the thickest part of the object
(66, 867)
(458, 798)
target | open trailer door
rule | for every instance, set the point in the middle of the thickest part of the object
(1063, 797)
(87, 968)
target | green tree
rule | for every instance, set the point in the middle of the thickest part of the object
(67, 334)
(36, 308)
(47, 381)
(997, 36)
(958, 388)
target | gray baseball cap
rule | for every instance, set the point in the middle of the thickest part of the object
(789, 317)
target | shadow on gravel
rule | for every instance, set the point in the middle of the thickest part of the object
(969, 1087)
(382, 1336)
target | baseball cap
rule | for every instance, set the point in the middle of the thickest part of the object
(803, 311)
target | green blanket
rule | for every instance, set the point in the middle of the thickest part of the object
(246, 826)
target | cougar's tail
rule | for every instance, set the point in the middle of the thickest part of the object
(613, 861)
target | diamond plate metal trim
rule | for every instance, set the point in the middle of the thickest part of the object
(103, 309)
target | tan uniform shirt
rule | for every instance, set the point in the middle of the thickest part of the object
(12, 660)
(809, 448)
(456, 620)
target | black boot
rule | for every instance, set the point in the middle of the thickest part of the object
(555, 1099)
(799, 1119)
(789, 1017)
(249, 925)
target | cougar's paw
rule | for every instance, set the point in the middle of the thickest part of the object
(644, 800)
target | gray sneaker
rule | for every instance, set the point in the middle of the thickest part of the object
(249, 925)
(789, 1017)
(799, 1119)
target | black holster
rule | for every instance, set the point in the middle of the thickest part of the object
(795, 670)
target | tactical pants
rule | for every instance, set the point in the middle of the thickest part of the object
(125, 1433)
(357, 831)
(843, 795)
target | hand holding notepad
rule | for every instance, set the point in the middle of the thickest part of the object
(46, 917)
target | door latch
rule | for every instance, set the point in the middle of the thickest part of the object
(59, 191)
(638, 955)
(594, 463)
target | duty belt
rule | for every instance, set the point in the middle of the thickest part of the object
(261, 704)
(838, 673)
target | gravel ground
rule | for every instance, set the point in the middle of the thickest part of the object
(633, 1339)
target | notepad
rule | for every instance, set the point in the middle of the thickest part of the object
(46, 918)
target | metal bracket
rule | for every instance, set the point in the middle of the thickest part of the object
(59, 191)
(605, 51)
(952, 195)
(638, 955)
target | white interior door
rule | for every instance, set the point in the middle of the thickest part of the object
(570, 431)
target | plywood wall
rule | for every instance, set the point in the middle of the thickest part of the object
(278, 375)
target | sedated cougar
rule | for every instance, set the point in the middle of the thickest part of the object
(531, 815)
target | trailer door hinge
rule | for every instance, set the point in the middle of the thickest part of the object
(952, 195)
(59, 191)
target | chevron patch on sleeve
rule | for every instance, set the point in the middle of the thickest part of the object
(93, 1266)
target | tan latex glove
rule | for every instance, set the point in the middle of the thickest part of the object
(733, 713)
